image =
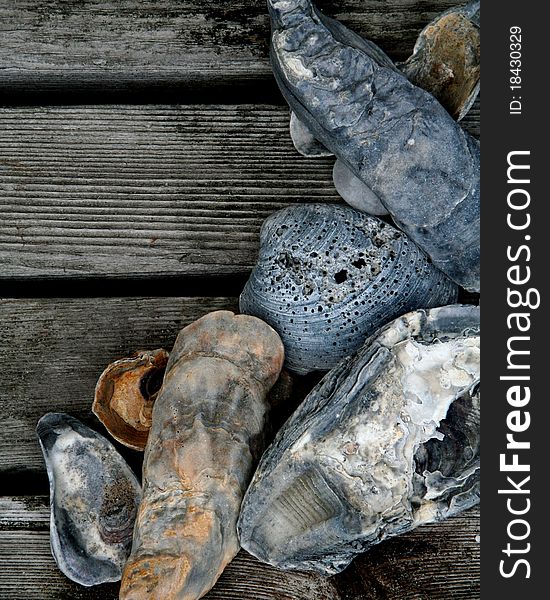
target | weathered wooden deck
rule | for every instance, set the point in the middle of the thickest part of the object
(141, 146)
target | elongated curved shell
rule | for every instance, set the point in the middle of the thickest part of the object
(94, 497)
(328, 276)
(446, 59)
(392, 135)
(208, 423)
(125, 394)
(387, 441)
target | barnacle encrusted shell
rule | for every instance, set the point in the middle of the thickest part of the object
(208, 426)
(328, 276)
(394, 136)
(387, 441)
(94, 497)
(446, 58)
(125, 394)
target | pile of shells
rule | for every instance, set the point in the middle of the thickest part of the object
(389, 438)
(399, 150)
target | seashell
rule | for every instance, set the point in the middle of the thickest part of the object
(94, 497)
(392, 135)
(388, 440)
(125, 394)
(328, 276)
(304, 141)
(446, 59)
(208, 423)
(355, 192)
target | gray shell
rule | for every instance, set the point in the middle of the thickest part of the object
(387, 441)
(355, 192)
(328, 276)
(392, 135)
(94, 497)
(304, 141)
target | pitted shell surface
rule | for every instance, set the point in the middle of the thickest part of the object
(328, 276)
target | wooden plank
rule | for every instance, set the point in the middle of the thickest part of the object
(128, 45)
(434, 562)
(56, 350)
(132, 191)
(29, 573)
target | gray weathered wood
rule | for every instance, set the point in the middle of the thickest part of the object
(435, 562)
(147, 190)
(56, 350)
(65, 45)
(29, 573)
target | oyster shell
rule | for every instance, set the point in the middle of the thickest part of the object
(125, 394)
(94, 497)
(388, 440)
(328, 276)
(208, 425)
(392, 135)
(446, 59)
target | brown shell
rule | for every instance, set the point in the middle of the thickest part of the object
(125, 394)
(446, 59)
(208, 430)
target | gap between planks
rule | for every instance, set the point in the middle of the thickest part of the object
(190, 48)
(435, 562)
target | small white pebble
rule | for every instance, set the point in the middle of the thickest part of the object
(478, 538)
(410, 142)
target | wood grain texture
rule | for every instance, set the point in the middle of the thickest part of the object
(129, 45)
(29, 573)
(57, 349)
(435, 562)
(123, 191)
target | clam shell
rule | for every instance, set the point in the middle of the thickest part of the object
(94, 497)
(392, 135)
(387, 441)
(328, 276)
(207, 430)
(125, 394)
(446, 59)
